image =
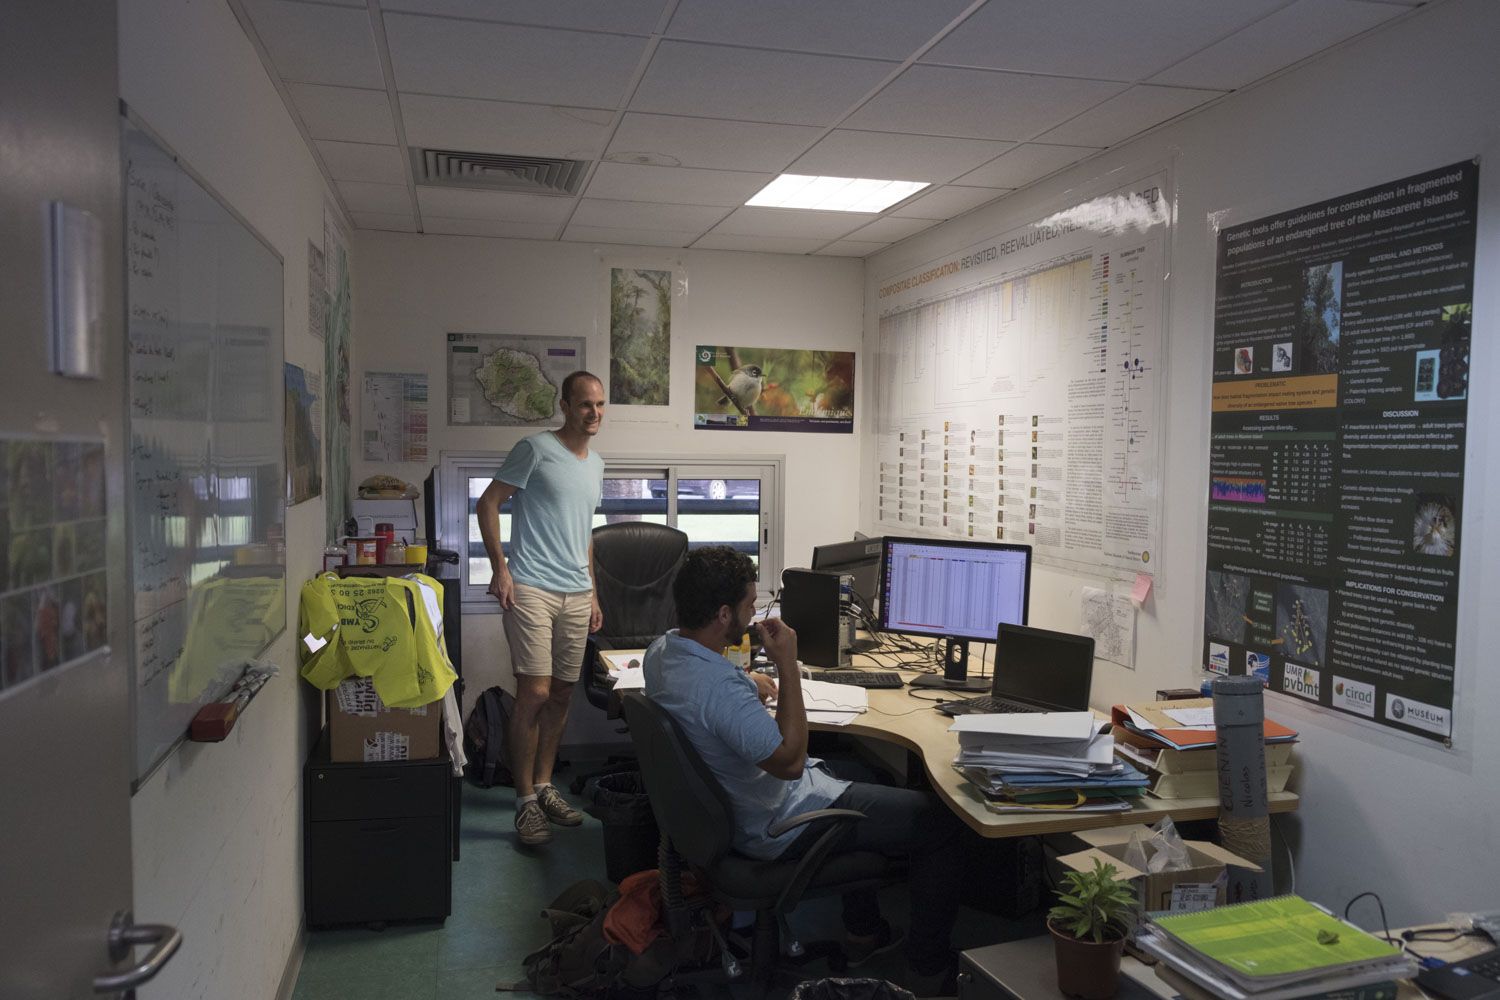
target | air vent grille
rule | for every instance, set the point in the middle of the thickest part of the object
(497, 172)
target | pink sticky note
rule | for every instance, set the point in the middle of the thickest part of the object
(1142, 588)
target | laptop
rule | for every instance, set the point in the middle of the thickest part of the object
(1474, 978)
(1036, 670)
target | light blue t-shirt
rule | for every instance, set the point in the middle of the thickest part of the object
(552, 514)
(720, 712)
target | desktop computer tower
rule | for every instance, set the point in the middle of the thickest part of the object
(819, 606)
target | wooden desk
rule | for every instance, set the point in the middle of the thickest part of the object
(897, 718)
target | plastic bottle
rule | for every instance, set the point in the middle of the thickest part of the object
(739, 654)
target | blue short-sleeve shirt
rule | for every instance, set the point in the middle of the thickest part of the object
(552, 513)
(717, 706)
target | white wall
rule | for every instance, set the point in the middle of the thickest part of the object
(1380, 812)
(217, 830)
(410, 291)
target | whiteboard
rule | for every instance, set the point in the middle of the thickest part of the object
(206, 476)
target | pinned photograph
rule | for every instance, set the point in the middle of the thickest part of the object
(1244, 360)
(1321, 316)
(1281, 357)
(1435, 525)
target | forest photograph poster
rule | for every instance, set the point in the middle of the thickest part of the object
(640, 336)
(773, 389)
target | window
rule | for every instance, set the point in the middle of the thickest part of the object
(734, 502)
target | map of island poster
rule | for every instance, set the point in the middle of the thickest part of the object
(500, 380)
(773, 389)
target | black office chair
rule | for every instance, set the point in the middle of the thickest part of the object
(697, 822)
(635, 565)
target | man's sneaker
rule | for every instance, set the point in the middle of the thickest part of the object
(859, 951)
(556, 807)
(531, 825)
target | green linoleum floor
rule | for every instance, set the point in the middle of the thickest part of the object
(499, 889)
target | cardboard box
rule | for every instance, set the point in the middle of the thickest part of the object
(362, 729)
(1195, 887)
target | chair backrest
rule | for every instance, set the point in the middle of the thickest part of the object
(635, 565)
(690, 805)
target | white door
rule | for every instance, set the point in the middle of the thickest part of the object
(65, 749)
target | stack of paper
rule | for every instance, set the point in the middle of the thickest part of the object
(1186, 774)
(1027, 762)
(832, 704)
(1270, 949)
(1180, 725)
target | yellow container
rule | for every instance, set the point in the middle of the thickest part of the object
(416, 555)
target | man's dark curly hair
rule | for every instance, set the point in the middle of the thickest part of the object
(711, 577)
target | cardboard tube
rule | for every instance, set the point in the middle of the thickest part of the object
(1244, 806)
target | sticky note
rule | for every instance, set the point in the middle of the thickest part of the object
(1142, 588)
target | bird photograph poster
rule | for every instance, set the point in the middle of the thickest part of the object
(773, 389)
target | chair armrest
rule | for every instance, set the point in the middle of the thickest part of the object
(802, 819)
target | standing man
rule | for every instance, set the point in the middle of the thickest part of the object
(547, 590)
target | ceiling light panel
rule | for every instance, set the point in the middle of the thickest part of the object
(834, 194)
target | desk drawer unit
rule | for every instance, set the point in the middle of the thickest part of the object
(377, 840)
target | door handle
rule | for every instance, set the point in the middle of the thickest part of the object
(124, 934)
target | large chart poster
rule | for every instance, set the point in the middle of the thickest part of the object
(1019, 386)
(1340, 388)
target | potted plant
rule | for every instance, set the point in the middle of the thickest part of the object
(1088, 926)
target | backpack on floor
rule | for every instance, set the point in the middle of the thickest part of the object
(484, 739)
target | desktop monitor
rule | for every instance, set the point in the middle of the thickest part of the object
(859, 559)
(954, 590)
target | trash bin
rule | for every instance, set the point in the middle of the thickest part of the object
(619, 802)
(848, 989)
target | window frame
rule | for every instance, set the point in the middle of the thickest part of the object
(456, 467)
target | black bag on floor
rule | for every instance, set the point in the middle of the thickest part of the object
(484, 739)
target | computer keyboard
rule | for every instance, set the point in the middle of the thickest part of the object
(1473, 978)
(987, 705)
(859, 678)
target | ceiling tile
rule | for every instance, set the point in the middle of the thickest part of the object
(389, 221)
(1287, 36)
(643, 215)
(707, 142)
(360, 196)
(851, 248)
(891, 229)
(792, 222)
(1134, 111)
(717, 81)
(435, 55)
(361, 161)
(345, 114)
(462, 123)
(1119, 40)
(637, 17)
(439, 226)
(977, 103)
(635, 237)
(883, 29)
(947, 202)
(758, 244)
(674, 185)
(498, 206)
(889, 156)
(1025, 164)
(310, 43)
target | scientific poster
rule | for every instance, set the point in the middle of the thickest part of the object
(502, 380)
(301, 427)
(317, 291)
(54, 599)
(640, 336)
(1019, 385)
(394, 413)
(773, 389)
(1339, 412)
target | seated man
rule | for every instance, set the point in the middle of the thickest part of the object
(764, 768)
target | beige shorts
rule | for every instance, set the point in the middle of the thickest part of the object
(547, 632)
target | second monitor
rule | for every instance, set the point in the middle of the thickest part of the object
(954, 590)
